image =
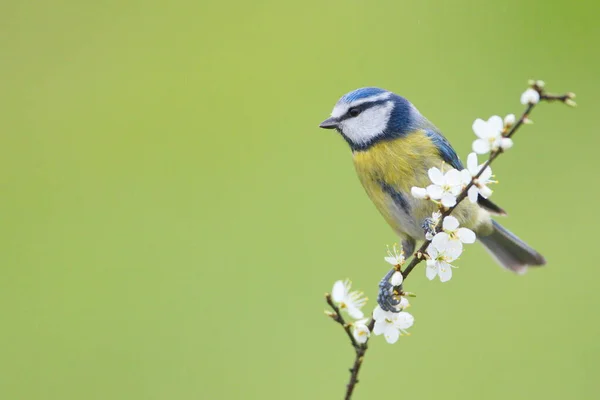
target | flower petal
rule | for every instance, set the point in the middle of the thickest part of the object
(435, 192)
(379, 314)
(485, 175)
(445, 271)
(448, 200)
(431, 270)
(481, 146)
(472, 165)
(453, 177)
(480, 128)
(473, 194)
(391, 335)
(404, 320)
(379, 327)
(439, 243)
(355, 312)
(453, 250)
(338, 292)
(450, 223)
(495, 124)
(436, 176)
(485, 191)
(466, 235)
(391, 260)
(466, 176)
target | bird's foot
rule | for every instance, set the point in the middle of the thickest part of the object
(388, 297)
(429, 225)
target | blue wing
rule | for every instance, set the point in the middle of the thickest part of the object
(449, 155)
(445, 148)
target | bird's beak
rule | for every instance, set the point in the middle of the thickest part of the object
(329, 123)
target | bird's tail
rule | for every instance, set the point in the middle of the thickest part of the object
(511, 252)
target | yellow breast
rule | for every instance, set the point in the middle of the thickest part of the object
(402, 162)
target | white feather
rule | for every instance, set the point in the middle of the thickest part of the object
(368, 124)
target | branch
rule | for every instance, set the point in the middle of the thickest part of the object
(359, 349)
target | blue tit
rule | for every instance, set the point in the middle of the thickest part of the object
(393, 147)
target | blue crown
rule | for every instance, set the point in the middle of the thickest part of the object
(362, 93)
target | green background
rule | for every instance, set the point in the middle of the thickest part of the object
(171, 215)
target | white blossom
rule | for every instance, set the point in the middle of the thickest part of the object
(530, 96)
(479, 186)
(352, 302)
(445, 187)
(396, 257)
(397, 278)
(452, 232)
(391, 325)
(442, 251)
(361, 331)
(490, 135)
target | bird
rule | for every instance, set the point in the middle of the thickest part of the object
(393, 147)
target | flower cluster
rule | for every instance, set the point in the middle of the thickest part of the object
(389, 324)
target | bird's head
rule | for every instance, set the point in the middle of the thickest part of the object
(368, 115)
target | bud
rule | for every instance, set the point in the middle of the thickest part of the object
(570, 103)
(509, 120)
(540, 84)
(418, 193)
(397, 278)
(571, 95)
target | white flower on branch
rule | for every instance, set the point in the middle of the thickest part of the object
(352, 302)
(452, 232)
(442, 251)
(391, 325)
(396, 256)
(445, 187)
(530, 96)
(361, 331)
(479, 186)
(490, 135)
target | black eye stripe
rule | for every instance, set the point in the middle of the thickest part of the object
(362, 107)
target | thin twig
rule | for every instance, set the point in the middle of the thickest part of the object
(359, 349)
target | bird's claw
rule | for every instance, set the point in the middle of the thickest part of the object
(429, 225)
(387, 298)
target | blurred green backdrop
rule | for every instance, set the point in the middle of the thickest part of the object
(172, 215)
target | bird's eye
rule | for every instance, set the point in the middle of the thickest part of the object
(353, 112)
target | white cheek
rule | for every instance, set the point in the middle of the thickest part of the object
(369, 124)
